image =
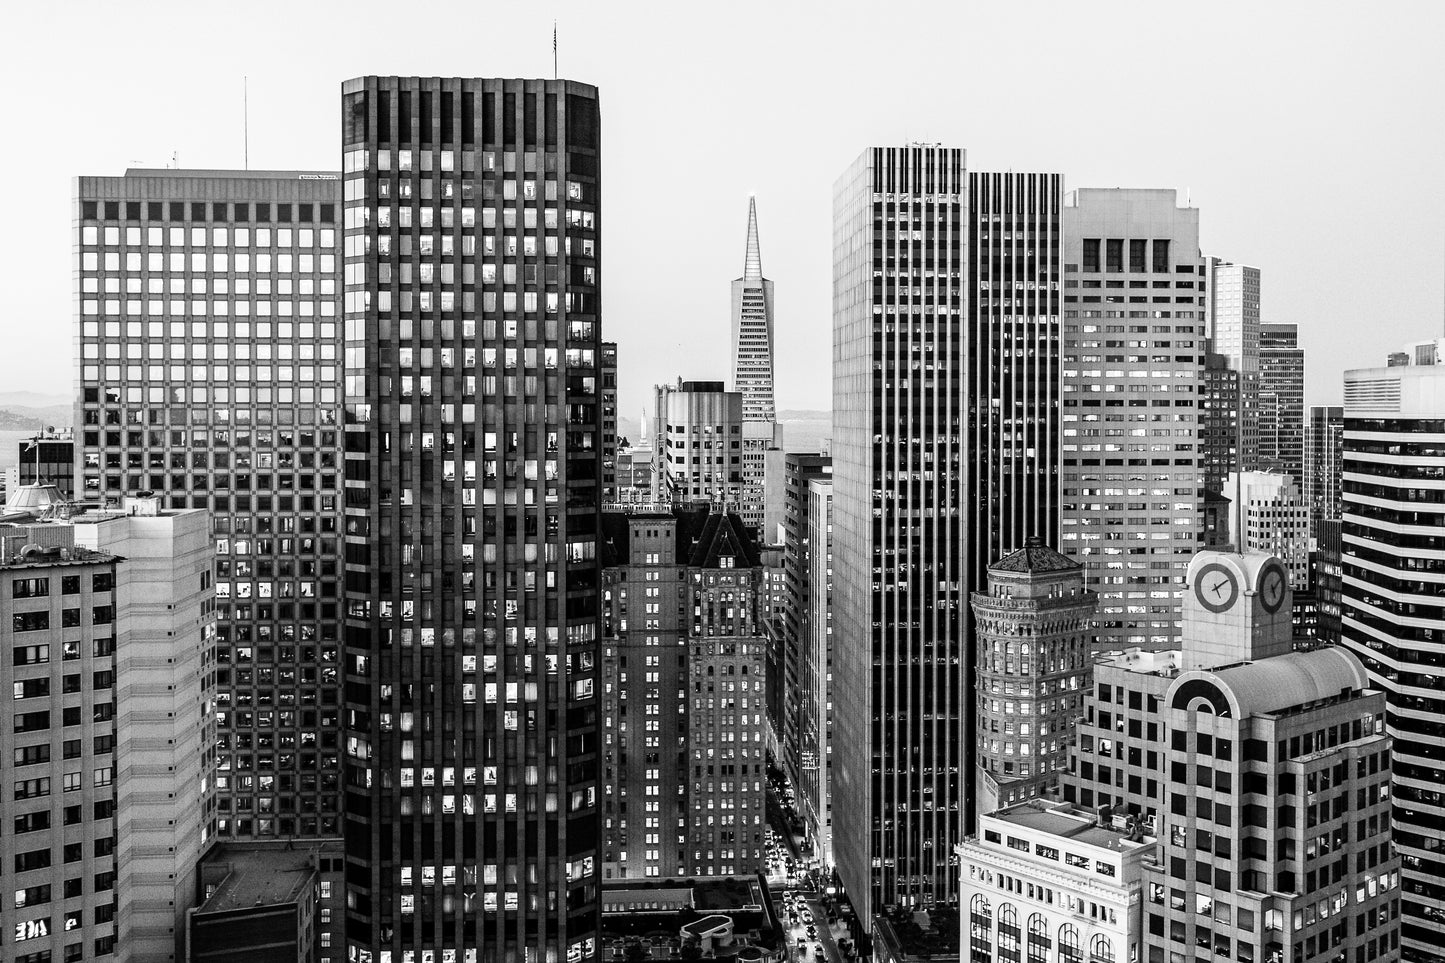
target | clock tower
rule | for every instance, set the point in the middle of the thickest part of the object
(1236, 609)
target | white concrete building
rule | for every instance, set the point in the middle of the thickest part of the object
(1276, 520)
(1046, 881)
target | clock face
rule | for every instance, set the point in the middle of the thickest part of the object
(1271, 588)
(1216, 587)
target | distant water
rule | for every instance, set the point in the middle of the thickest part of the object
(810, 434)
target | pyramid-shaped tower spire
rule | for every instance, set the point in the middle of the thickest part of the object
(753, 267)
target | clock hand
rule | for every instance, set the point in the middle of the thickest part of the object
(1219, 585)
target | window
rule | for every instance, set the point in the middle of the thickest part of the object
(30, 621)
(30, 588)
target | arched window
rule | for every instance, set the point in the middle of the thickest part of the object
(1038, 944)
(1069, 951)
(980, 930)
(1008, 933)
(1101, 950)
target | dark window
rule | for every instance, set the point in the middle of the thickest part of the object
(70, 585)
(88, 210)
(1137, 256)
(305, 213)
(132, 210)
(263, 212)
(243, 212)
(1114, 255)
(1161, 257)
(283, 213)
(198, 211)
(178, 210)
(328, 213)
(155, 210)
(112, 210)
(1091, 254)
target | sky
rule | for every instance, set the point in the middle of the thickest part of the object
(1309, 135)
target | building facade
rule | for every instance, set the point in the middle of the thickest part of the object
(1324, 450)
(945, 380)
(1045, 881)
(753, 369)
(1219, 421)
(1264, 772)
(789, 691)
(697, 446)
(1134, 319)
(473, 437)
(47, 458)
(210, 369)
(111, 669)
(609, 421)
(1275, 518)
(1035, 647)
(1392, 582)
(1234, 331)
(1281, 400)
(683, 693)
(815, 753)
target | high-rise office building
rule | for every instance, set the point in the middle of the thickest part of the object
(684, 763)
(1263, 772)
(1233, 332)
(753, 372)
(815, 769)
(609, 421)
(752, 330)
(210, 370)
(697, 445)
(1275, 520)
(1218, 421)
(1324, 448)
(1035, 645)
(788, 693)
(1393, 580)
(1133, 350)
(1281, 400)
(945, 381)
(110, 619)
(473, 420)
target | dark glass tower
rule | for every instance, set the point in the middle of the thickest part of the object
(945, 413)
(472, 506)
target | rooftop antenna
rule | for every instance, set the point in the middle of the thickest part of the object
(246, 121)
(554, 49)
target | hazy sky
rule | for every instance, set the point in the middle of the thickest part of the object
(1310, 135)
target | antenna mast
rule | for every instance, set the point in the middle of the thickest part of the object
(246, 121)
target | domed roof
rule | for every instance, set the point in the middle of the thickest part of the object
(1273, 684)
(32, 500)
(1034, 557)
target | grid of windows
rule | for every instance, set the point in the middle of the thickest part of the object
(472, 501)
(1133, 375)
(210, 373)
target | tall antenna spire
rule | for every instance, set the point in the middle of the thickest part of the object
(753, 266)
(246, 121)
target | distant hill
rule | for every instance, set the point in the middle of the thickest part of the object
(33, 399)
(18, 418)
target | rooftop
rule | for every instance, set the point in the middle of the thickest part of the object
(1067, 822)
(707, 925)
(202, 172)
(1277, 684)
(268, 877)
(1035, 558)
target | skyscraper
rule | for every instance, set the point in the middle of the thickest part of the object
(1219, 421)
(753, 370)
(945, 380)
(473, 425)
(752, 340)
(210, 371)
(1393, 581)
(1233, 332)
(1281, 400)
(789, 693)
(1133, 370)
(1324, 448)
(683, 669)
